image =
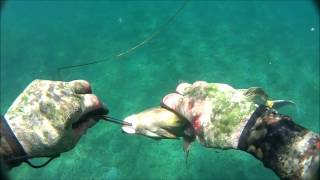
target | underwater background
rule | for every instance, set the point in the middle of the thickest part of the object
(270, 44)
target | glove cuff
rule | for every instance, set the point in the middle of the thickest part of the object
(287, 148)
(244, 137)
(14, 148)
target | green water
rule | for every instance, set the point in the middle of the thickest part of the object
(268, 44)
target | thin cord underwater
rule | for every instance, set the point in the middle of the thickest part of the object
(114, 120)
(140, 44)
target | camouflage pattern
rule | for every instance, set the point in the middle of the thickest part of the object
(217, 112)
(292, 151)
(41, 117)
(5, 149)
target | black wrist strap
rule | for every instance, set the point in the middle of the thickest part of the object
(251, 122)
(19, 155)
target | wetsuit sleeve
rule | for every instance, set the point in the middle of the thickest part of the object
(10, 148)
(287, 148)
(7, 152)
(5, 149)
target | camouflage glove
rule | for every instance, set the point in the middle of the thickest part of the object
(217, 112)
(45, 116)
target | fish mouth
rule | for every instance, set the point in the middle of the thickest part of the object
(129, 127)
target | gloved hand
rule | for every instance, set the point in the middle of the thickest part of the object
(49, 117)
(218, 113)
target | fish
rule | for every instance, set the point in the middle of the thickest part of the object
(159, 123)
(155, 123)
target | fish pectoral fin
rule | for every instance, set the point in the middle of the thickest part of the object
(165, 133)
(152, 134)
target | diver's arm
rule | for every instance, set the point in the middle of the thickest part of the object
(224, 117)
(290, 150)
(10, 149)
(5, 149)
(48, 118)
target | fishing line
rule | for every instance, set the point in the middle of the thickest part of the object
(138, 45)
(114, 120)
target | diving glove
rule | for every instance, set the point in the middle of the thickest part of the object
(217, 112)
(49, 117)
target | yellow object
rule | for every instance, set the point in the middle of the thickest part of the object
(269, 103)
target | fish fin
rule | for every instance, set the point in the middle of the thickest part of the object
(276, 104)
(152, 134)
(166, 134)
(186, 149)
(256, 94)
(187, 141)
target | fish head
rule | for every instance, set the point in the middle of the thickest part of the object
(136, 126)
(156, 123)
